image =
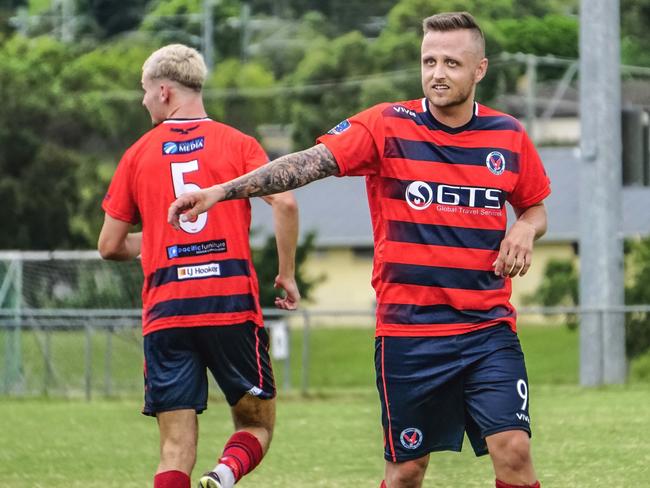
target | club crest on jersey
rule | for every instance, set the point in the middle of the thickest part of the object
(419, 195)
(341, 127)
(411, 438)
(183, 147)
(496, 162)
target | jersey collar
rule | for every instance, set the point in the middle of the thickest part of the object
(445, 128)
(186, 121)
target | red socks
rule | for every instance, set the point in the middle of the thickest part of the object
(501, 484)
(171, 479)
(383, 484)
(242, 453)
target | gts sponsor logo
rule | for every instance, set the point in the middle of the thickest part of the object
(420, 195)
(403, 110)
(199, 271)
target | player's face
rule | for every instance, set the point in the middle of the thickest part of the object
(153, 100)
(452, 65)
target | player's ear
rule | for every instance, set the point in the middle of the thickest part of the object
(481, 70)
(164, 92)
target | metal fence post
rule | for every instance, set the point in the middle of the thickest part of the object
(304, 385)
(13, 338)
(89, 361)
(287, 358)
(108, 379)
(47, 365)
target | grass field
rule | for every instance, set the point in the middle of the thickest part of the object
(582, 437)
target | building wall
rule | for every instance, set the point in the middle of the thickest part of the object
(347, 276)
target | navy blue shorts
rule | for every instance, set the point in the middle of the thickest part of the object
(177, 360)
(434, 389)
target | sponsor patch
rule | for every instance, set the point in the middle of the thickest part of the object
(198, 271)
(197, 249)
(411, 438)
(403, 110)
(496, 162)
(341, 127)
(255, 391)
(183, 147)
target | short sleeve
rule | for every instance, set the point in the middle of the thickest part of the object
(254, 155)
(119, 202)
(533, 184)
(357, 143)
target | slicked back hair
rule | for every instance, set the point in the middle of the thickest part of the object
(451, 21)
(179, 63)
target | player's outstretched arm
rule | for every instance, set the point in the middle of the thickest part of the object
(285, 173)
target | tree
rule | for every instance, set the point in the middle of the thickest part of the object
(244, 96)
(552, 34)
(7, 9)
(180, 21)
(560, 287)
(39, 182)
(317, 111)
(635, 37)
(637, 292)
(61, 133)
(115, 16)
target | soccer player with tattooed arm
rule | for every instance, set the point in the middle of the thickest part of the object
(200, 295)
(439, 171)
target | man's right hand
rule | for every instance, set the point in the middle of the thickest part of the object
(291, 297)
(189, 205)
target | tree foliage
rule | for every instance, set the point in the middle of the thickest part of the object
(638, 293)
(70, 111)
(560, 286)
(115, 16)
(38, 185)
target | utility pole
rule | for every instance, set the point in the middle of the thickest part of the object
(531, 96)
(65, 11)
(208, 33)
(245, 17)
(602, 332)
(67, 20)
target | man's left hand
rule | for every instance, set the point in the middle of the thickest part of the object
(516, 251)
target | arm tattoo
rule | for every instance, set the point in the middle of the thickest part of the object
(285, 173)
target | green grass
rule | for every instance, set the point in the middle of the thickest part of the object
(582, 438)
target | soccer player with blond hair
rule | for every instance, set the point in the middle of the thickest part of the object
(200, 295)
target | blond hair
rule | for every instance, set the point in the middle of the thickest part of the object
(179, 63)
(451, 21)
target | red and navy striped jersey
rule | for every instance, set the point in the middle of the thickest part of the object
(437, 201)
(203, 274)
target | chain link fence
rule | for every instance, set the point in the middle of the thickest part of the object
(70, 326)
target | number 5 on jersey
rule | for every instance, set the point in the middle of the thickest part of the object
(180, 187)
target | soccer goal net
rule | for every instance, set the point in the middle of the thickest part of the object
(69, 323)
